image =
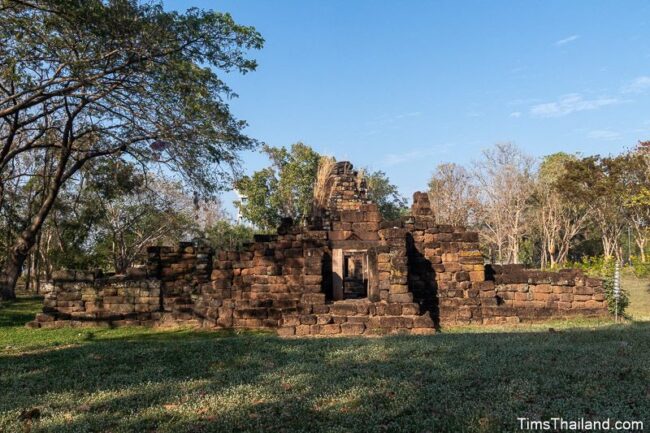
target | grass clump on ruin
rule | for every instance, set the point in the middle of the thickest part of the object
(182, 380)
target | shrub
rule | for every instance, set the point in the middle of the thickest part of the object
(623, 299)
(641, 270)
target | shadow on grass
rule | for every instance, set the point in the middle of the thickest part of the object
(18, 312)
(184, 381)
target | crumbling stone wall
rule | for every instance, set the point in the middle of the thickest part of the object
(523, 294)
(417, 276)
(87, 298)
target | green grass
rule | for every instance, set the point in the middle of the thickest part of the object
(143, 380)
(639, 292)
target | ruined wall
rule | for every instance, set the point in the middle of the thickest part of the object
(275, 282)
(84, 298)
(417, 276)
(524, 295)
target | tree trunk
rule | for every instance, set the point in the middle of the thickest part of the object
(27, 239)
(641, 244)
(14, 267)
(28, 277)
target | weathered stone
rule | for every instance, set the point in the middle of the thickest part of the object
(286, 331)
(280, 281)
(352, 328)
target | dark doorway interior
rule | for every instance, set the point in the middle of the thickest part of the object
(355, 275)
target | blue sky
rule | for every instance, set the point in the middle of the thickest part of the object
(402, 86)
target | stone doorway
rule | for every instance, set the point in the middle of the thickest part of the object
(349, 274)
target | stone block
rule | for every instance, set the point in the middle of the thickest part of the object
(477, 276)
(302, 330)
(423, 331)
(537, 296)
(410, 309)
(313, 298)
(396, 322)
(584, 290)
(398, 288)
(423, 321)
(343, 309)
(352, 328)
(286, 331)
(329, 329)
(308, 319)
(393, 310)
(323, 319)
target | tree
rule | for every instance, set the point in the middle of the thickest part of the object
(560, 219)
(285, 189)
(453, 195)
(117, 79)
(136, 211)
(224, 235)
(636, 179)
(504, 178)
(391, 203)
(599, 182)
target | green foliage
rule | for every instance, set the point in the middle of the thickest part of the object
(137, 379)
(526, 252)
(120, 80)
(640, 269)
(285, 189)
(224, 235)
(595, 266)
(391, 203)
(146, 77)
(612, 304)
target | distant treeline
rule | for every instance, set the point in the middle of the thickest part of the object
(551, 210)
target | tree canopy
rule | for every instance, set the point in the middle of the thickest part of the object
(286, 188)
(121, 79)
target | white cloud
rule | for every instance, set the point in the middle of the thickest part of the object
(638, 85)
(604, 134)
(405, 115)
(568, 104)
(567, 40)
(392, 159)
(515, 114)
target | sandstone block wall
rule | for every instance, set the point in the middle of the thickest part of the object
(416, 276)
(83, 298)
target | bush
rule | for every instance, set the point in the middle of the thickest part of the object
(225, 235)
(641, 270)
(623, 299)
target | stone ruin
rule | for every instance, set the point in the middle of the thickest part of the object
(347, 272)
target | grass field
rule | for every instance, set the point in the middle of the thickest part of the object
(467, 380)
(639, 292)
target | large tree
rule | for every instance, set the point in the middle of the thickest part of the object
(599, 182)
(504, 177)
(90, 79)
(453, 194)
(386, 195)
(286, 187)
(636, 178)
(558, 217)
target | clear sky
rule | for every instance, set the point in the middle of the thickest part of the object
(402, 86)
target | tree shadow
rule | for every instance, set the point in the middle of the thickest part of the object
(19, 311)
(198, 381)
